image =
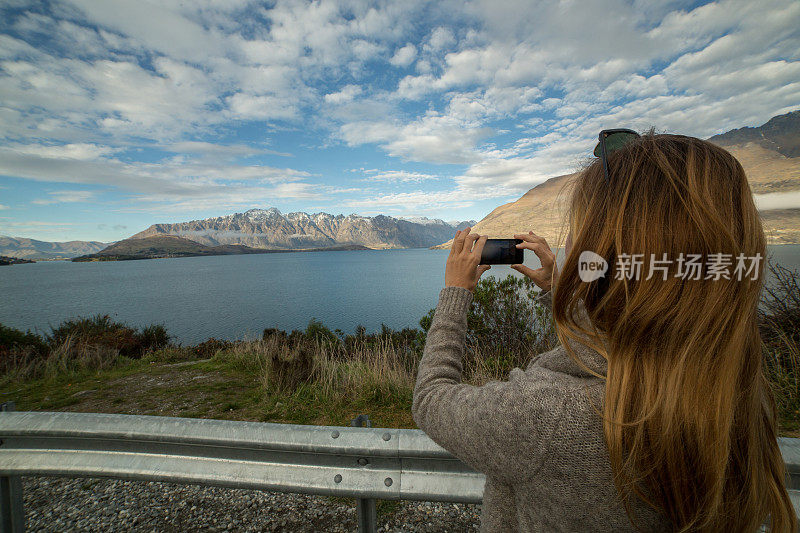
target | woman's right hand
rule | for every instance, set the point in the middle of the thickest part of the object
(544, 276)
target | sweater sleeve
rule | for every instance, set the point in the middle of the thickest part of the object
(501, 428)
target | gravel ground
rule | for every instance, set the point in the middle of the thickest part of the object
(109, 505)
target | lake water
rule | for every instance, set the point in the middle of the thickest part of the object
(237, 296)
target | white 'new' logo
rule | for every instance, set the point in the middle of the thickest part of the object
(591, 266)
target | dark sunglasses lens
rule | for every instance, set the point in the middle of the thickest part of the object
(614, 141)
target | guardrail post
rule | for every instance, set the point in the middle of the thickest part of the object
(365, 507)
(12, 514)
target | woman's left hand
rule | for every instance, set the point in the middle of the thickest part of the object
(462, 268)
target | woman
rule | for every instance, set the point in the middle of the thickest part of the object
(653, 413)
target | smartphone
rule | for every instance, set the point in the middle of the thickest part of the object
(501, 252)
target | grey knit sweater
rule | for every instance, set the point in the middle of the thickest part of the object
(536, 436)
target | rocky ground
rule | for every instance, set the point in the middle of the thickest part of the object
(62, 505)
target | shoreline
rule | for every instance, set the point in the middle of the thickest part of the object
(261, 251)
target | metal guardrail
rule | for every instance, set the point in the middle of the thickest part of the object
(355, 462)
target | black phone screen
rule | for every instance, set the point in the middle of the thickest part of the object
(501, 252)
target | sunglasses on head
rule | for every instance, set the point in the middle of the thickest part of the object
(610, 141)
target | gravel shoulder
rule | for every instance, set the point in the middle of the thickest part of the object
(107, 505)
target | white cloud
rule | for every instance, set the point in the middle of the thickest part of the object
(440, 38)
(432, 138)
(728, 64)
(114, 78)
(404, 56)
(262, 107)
(345, 94)
(60, 197)
(777, 200)
(78, 151)
(425, 202)
(41, 229)
(223, 150)
(170, 179)
(229, 198)
(398, 176)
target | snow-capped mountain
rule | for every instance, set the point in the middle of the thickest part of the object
(269, 228)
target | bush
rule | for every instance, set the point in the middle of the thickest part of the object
(101, 330)
(11, 339)
(318, 332)
(291, 366)
(505, 326)
(779, 323)
(90, 343)
(780, 306)
(154, 337)
(20, 352)
(210, 347)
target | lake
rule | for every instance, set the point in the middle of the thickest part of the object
(237, 296)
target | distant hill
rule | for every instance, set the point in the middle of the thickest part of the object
(782, 226)
(780, 134)
(6, 260)
(33, 249)
(770, 155)
(161, 246)
(270, 229)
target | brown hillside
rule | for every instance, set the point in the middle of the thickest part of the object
(542, 209)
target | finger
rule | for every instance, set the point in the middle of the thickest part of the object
(537, 275)
(458, 242)
(544, 241)
(469, 241)
(530, 237)
(542, 251)
(477, 250)
(482, 269)
(453, 245)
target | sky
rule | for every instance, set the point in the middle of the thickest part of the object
(115, 115)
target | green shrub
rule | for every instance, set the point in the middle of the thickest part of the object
(779, 323)
(99, 330)
(318, 332)
(270, 332)
(779, 312)
(210, 347)
(11, 338)
(154, 337)
(505, 326)
(20, 352)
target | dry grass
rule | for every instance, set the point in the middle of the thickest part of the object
(335, 372)
(782, 369)
(66, 358)
(366, 372)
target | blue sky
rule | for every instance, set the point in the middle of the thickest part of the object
(115, 115)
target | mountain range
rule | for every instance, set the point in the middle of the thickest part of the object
(33, 249)
(769, 154)
(269, 228)
(159, 246)
(254, 231)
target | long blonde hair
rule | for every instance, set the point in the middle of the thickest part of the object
(688, 416)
